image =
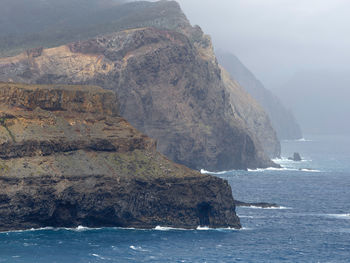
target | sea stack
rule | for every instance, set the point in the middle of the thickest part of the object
(296, 157)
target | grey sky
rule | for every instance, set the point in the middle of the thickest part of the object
(276, 38)
(298, 48)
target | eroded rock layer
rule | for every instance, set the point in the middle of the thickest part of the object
(68, 159)
(169, 86)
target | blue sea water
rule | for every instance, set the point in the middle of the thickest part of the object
(312, 226)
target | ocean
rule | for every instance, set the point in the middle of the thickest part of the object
(312, 224)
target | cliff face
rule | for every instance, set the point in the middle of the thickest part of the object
(169, 87)
(68, 159)
(255, 118)
(167, 79)
(283, 121)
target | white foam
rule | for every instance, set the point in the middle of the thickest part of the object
(165, 228)
(272, 169)
(304, 140)
(203, 228)
(267, 208)
(138, 248)
(298, 140)
(215, 173)
(285, 160)
(98, 256)
(340, 216)
(309, 170)
(199, 228)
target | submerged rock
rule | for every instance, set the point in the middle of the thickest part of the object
(67, 159)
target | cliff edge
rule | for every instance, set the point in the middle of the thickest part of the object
(67, 159)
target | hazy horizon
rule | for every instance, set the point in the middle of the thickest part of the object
(279, 40)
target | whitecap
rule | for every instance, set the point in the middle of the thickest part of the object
(303, 140)
(267, 208)
(215, 173)
(272, 169)
(340, 216)
(286, 160)
(166, 228)
(98, 256)
(138, 248)
(202, 228)
(206, 228)
(28, 230)
(309, 170)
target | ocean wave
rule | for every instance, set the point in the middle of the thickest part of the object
(285, 160)
(82, 229)
(205, 228)
(98, 256)
(202, 171)
(76, 229)
(263, 170)
(339, 216)
(267, 208)
(284, 169)
(165, 228)
(138, 248)
(303, 140)
(298, 140)
(309, 170)
(199, 228)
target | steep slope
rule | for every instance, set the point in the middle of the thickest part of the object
(255, 118)
(168, 88)
(168, 82)
(68, 159)
(283, 120)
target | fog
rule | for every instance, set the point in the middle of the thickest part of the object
(297, 48)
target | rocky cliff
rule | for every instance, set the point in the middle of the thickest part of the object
(67, 158)
(283, 120)
(169, 86)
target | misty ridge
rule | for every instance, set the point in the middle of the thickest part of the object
(299, 52)
(298, 49)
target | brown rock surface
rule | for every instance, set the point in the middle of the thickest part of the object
(67, 159)
(169, 86)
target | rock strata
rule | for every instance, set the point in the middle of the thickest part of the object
(67, 159)
(169, 86)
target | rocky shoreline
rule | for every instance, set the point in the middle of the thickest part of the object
(68, 159)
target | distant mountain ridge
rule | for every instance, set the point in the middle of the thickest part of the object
(282, 119)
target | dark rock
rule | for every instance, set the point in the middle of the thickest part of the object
(296, 157)
(81, 164)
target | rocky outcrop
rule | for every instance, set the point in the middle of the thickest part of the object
(283, 120)
(296, 157)
(67, 159)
